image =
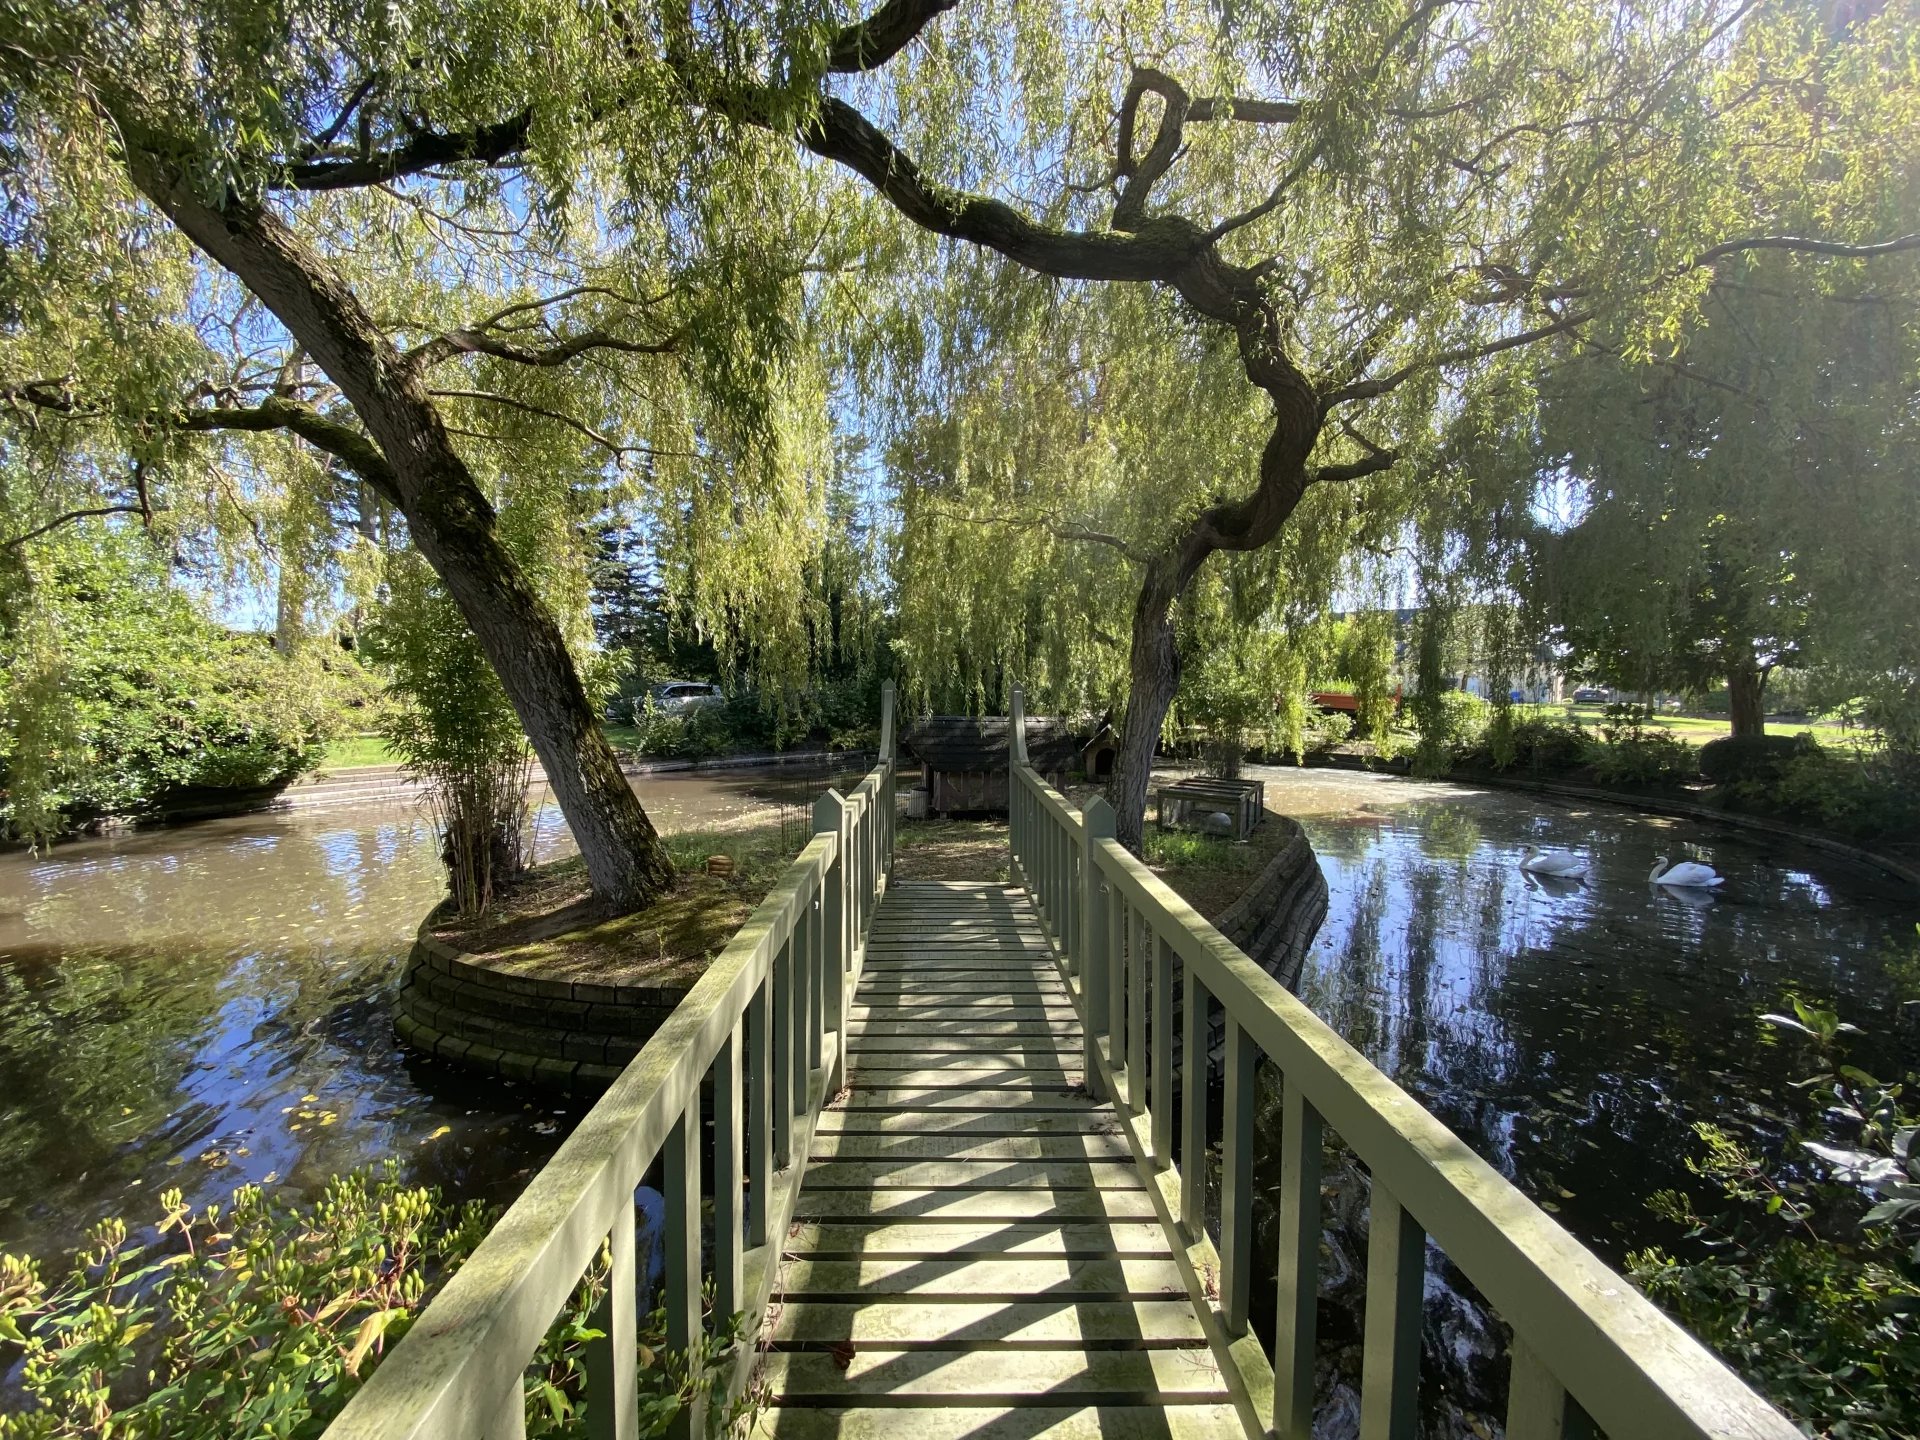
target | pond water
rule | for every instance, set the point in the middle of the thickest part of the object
(1572, 1033)
(207, 1005)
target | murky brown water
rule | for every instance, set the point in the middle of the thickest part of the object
(207, 1005)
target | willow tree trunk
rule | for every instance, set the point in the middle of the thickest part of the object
(1746, 700)
(449, 518)
(1153, 680)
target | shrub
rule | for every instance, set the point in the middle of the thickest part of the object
(119, 695)
(1811, 1288)
(1646, 760)
(1450, 722)
(453, 728)
(1736, 758)
(1535, 745)
(1857, 795)
(263, 1318)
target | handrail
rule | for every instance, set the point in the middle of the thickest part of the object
(1589, 1350)
(772, 1005)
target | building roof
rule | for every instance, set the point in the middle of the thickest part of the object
(967, 742)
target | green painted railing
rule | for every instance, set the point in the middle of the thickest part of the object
(1589, 1351)
(766, 1024)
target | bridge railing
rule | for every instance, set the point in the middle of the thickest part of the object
(1590, 1353)
(765, 1024)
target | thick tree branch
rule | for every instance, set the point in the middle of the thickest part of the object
(351, 447)
(428, 150)
(875, 40)
(477, 342)
(67, 519)
(1808, 245)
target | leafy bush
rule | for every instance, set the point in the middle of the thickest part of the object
(1448, 722)
(1860, 795)
(1811, 1288)
(1736, 758)
(1534, 745)
(119, 695)
(1647, 759)
(263, 1319)
(453, 728)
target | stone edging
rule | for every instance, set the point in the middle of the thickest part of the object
(1282, 909)
(1658, 805)
(576, 1036)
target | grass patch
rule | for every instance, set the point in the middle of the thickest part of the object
(1207, 871)
(352, 750)
(549, 925)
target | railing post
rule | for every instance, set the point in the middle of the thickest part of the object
(830, 818)
(760, 1122)
(1396, 1286)
(1140, 939)
(1299, 1268)
(783, 1066)
(1236, 1181)
(1536, 1401)
(1194, 1064)
(613, 1360)
(1160, 1069)
(1119, 920)
(1096, 824)
(728, 1121)
(684, 1327)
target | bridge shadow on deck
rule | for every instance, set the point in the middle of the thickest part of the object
(973, 1241)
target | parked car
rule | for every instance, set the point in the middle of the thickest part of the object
(683, 697)
(1591, 695)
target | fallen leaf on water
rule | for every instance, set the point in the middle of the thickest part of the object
(443, 1130)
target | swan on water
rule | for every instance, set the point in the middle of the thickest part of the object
(1552, 862)
(1688, 873)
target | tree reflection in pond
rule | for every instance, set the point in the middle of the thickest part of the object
(1571, 1034)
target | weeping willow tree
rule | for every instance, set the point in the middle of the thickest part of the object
(1275, 263)
(1340, 214)
(290, 277)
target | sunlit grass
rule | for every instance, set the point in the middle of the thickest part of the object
(351, 750)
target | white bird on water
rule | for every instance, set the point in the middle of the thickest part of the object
(1552, 862)
(1688, 874)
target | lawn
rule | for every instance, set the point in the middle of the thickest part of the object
(1701, 728)
(351, 750)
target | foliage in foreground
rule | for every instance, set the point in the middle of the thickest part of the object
(1810, 1287)
(119, 695)
(263, 1319)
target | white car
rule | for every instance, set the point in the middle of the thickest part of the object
(683, 697)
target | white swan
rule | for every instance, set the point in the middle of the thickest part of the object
(1552, 862)
(1688, 873)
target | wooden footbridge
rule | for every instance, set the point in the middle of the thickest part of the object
(945, 1190)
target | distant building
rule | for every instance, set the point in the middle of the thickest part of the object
(964, 758)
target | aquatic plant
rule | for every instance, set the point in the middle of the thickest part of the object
(1809, 1283)
(264, 1317)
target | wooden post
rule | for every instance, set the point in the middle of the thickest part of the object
(728, 1123)
(1140, 944)
(612, 1360)
(1160, 1071)
(760, 1122)
(1194, 1065)
(1299, 1266)
(1095, 972)
(684, 1327)
(1236, 1181)
(783, 1066)
(830, 818)
(1396, 1287)
(1536, 1401)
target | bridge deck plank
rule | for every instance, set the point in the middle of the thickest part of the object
(973, 1242)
